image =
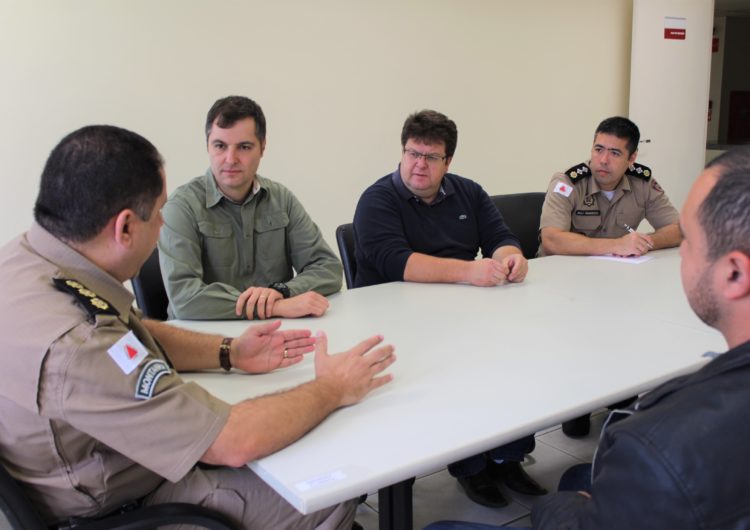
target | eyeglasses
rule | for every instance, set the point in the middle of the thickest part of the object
(430, 158)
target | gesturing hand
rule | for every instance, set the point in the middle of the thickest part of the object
(263, 347)
(353, 373)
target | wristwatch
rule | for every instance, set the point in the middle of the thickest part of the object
(282, 288)
(224, 350)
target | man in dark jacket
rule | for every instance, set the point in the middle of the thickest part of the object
(679, 460)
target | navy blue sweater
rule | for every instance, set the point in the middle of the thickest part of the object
(390, 223)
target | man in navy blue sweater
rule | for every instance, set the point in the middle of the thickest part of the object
(423, 224)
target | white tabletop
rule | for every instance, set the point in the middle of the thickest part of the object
(478, 367)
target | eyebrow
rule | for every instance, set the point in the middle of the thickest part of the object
(220, 141)
(421, 153)
(610, 149)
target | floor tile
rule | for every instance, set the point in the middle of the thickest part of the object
(438, 496)
(545, 465)
(580, 448)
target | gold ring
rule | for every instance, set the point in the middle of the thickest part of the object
(286, 355)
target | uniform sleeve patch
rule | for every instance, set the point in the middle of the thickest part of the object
(128, 352)
(563, 189)
(149, 376)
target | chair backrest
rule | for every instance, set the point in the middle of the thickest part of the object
(16, 506)
(345, 241)
(521, 212)
(148, 287)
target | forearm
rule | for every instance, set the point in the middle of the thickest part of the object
(318, 267)
(188, 350)
(667, 236)
(323, 276)
(264, 425)
(505, 251)
(430, 269)
(556, 241)
(215, 301)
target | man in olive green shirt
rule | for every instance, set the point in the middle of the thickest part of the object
(233, 240)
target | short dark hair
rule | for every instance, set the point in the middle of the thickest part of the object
(92, 175)
(623, 128)
(430, 126)
(231, 109)
(724, 214)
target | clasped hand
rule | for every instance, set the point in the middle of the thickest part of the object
(264, 302)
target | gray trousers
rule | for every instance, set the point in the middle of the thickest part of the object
(243, 497)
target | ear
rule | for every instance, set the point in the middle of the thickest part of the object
(448, 162)
(735, 275)
(632, 158)
(124, 225)
(263, 147)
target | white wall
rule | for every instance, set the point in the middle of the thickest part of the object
(525, 80)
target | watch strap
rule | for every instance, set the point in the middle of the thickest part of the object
(224, 350)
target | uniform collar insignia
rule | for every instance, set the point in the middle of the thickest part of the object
(640, 171)
(578, 172)
(91, 302)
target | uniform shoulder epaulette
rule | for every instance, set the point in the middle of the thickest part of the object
(578, 172)
(91, 302)
(640, 171)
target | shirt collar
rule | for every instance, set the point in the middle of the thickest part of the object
(76, 266)
(214, 194)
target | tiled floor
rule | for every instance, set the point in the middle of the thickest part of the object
(438, 496)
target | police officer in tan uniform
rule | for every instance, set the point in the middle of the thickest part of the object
(595, 208)
(93, 412)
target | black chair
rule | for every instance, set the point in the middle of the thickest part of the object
(521, 212)
(149, 290)
(22, 515)
(345, 241)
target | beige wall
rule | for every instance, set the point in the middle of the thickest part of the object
(526, 82)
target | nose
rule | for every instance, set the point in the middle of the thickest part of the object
(421, 161)
(230, 155)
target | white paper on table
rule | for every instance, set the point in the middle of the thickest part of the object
(627, 259)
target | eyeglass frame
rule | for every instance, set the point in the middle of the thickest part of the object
(430, 158)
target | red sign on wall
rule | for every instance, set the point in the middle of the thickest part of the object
(675, 28)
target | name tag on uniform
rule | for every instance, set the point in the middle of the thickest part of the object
(128, 352)
(587, 213)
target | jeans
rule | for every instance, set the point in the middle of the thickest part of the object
(512, 452)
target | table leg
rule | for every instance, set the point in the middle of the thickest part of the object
(394, 506)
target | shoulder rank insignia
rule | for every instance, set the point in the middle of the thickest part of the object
(91, 302)
(578, 172)
(640, 171)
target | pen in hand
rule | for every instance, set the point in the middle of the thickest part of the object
(630, 229)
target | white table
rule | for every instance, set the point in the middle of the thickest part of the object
(477, 367)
